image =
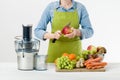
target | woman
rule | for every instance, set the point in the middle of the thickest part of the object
(59, 14)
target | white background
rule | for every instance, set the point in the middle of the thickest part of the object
(104, 16)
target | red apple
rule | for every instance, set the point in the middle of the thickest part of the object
(92, 49)
(66, 30)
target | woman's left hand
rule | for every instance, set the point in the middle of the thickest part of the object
(75, 32)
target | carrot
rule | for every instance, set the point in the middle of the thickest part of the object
(94, 67)
(87, 63)
(98, 59)
(97, 67)
(88, 67)
(97, 64)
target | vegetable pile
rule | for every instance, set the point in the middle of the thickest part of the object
(95, 63)
(92, 58)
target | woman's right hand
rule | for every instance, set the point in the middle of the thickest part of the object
(55, 35)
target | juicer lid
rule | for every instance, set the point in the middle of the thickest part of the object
(27, 25)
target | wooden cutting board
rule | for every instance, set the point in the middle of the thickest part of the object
(81, 70)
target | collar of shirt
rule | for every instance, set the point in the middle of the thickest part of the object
(73, 5)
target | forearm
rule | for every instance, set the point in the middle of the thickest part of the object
(55, 35)
(86, 33)
(43, 35)
(39, 33)
(48, 35)
(78, 33)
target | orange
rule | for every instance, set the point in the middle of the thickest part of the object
(72, 56)
(65, 54)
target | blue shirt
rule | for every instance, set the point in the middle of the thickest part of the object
(48, 14)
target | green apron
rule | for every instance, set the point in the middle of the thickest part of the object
(64, 44)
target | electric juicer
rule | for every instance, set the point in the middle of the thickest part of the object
(26, 48)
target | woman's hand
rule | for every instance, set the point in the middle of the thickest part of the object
(55, 35)
(75, 32)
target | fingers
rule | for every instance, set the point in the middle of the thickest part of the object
(71, 35)
(57, 34)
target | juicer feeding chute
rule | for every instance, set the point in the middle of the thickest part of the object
(27, 32)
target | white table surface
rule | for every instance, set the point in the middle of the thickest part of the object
(9, 71)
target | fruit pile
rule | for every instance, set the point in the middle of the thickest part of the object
(93, 51)
(91, 58)
(66, 61)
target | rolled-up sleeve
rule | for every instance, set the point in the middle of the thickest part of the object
(86, 30)
(40, 29)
